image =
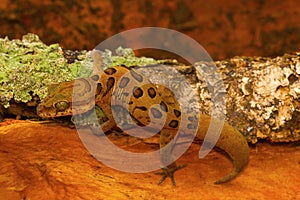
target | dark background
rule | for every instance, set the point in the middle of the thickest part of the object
(224, 28)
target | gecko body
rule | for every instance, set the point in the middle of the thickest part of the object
(141, 97)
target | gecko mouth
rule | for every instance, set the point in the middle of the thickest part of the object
(49, 112)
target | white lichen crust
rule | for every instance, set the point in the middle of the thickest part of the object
(263, 96)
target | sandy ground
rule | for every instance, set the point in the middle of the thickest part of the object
(49, 161)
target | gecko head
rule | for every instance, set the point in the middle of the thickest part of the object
(69, 98)
(58, 102)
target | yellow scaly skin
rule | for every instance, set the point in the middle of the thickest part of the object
(115, 81)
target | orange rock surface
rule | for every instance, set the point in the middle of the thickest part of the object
(224, 28)
(49, 161)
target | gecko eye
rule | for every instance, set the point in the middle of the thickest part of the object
(62, 105)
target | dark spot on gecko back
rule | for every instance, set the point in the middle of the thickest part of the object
(173, 124)
(152, 92)
(99, 88)
(124, 82)
(192, 126)
(109, 84)
(126, 94)
(163, 106)
(156, 113)
(137, 92)
(193, 119)
(110, 71)
(95, 77)
(136, 76)
(177, 113)
(143, 108)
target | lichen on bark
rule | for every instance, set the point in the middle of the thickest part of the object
(263, 96)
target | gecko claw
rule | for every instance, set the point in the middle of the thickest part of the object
(169, 172)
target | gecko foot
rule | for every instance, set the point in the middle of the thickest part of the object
(169, 172)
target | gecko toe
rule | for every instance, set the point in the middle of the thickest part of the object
(169, 172)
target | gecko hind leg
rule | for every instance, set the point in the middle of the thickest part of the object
(166, 137)
(169, 172)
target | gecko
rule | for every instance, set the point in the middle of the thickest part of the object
(99, 90)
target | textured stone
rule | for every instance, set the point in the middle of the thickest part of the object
(40, 161)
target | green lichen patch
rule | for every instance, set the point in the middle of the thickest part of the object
(28, 66)
(125, 56)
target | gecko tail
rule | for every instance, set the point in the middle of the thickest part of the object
(238, 151)
(228, 177)
(231, 141)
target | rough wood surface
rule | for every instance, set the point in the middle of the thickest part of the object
(261, 95)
